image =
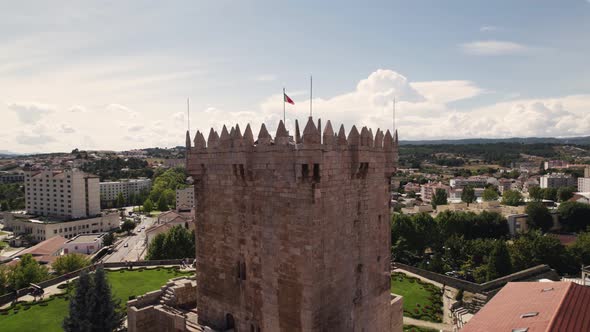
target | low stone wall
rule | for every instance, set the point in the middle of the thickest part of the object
(537, 272)
(440, 278)
(397, 313)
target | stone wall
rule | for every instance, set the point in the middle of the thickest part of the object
(293, 235)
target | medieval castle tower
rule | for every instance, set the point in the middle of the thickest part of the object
(293, 234)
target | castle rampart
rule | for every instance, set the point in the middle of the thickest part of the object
(293, 233)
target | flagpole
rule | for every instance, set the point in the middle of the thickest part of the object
(284, 119)
(310, 94)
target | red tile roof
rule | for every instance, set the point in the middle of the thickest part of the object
(559, 306)
(45, 248)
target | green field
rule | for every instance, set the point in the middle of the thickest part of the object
(48, 318)
(421, 300)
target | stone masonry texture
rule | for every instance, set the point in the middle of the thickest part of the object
(293, 234)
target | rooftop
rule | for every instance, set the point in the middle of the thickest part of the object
(85, 238)
(534, 307)
(45, 248)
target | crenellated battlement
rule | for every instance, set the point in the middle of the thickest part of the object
(233, 147)
(312, 137)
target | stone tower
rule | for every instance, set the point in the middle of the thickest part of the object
(293, 234)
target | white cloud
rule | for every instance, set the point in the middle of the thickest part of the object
(78, 109)
(494, 47)
(30, 112)
(67, 129)
(447, 91)
(488, 28)
(266, 78)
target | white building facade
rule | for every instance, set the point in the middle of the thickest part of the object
(556, 180)
(67, 194)
(185, 199)
(111, 189)
(86, 244)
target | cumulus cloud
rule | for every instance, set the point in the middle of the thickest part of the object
(135, 128)
(121, 109)
(34, 136)
(266, 78)
(447, 91)
(30, 112)
(494, 47)
(66, 129)
(488, 28)
(78, 109)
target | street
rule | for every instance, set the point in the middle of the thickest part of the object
(135, 249)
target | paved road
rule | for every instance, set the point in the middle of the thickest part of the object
(135, 249)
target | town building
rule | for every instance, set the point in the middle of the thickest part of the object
(185, 199)
(429, 189)
(40, 228)
(581, 197)
(294, 234)
(587, 172)
(12, 177)
(555, 164)
(473, 181)
(86, 244)
(584, 184)
(109, 191)
(45, 252)
(556, 180)
(166, 221)
(535, 306)
(66, 194)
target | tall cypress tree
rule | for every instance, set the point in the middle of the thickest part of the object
(499, 263)
(77, 320)
(102, 308)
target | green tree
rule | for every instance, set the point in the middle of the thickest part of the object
(468, 195)
(512, 198)
(128, 226)
(536, 193)
(28, 271)
(490, 194)
(534, 248)
(177, 243)
(499, 263)
(4, 206)
(102, 306)
(550, 194)
(581, 248)
(78, 315)
(120, 201)
(565, 193)
(69, 263)
(162, 204)
(574, 216)
(148, 206)
(108, 239)
(439, 197)
(539, 216)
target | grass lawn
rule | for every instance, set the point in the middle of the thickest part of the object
(48, 318)
(419, 297)
(3, 233)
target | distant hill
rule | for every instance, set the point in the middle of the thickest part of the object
(584, 140)
(4, 153)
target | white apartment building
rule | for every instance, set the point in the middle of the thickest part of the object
(86, 244)
(556, 180)
(66, 194)
(185, 199)
(41, 229)
(584, 185)
(111, 189)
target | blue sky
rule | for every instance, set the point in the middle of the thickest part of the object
(116, 75)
